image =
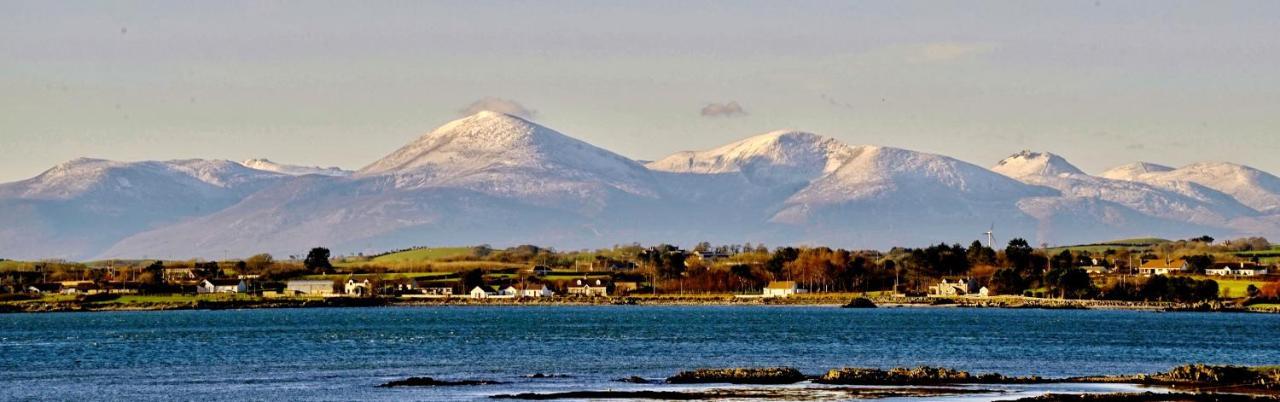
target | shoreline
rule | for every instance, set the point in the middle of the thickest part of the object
(1190, 382)
(832, 301)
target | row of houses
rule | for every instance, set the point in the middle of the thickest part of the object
(83, 287)
(359, 287)
(1180, 266)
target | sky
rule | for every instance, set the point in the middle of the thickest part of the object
(1101, 83)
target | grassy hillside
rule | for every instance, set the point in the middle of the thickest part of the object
(424, 254)
(1136, 243)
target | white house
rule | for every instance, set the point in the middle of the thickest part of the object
(222, 286)
(1163, 267)
(588, 287)
(1236, 269)
(782, 289)
(309, 287)
(482, 292)
(528, 290)
(358, 287)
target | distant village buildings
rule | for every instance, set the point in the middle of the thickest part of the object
(528, 290)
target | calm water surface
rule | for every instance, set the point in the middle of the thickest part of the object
(342, 354)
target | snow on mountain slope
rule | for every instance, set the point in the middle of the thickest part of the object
(506, 156)
(872, 171)
(498, 179)
(1192, 204)
(83, 176)
(778, 157)
(294, 170)
(365, 215)
(80, 207)
(895, 195)
(1255, 188)
(1133, 170)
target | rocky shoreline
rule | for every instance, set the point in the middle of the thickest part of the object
(37, 306)
(1195, 383)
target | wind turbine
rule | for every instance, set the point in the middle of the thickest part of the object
(991, 240)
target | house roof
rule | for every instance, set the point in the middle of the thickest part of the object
(224, 282)
(781, 285)
(484, 288)
(1159, 263)
(528, 286)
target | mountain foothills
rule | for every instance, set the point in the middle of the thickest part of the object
(499, 179)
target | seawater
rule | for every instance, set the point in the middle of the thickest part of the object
(344, 353)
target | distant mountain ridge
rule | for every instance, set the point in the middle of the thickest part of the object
(499, 179)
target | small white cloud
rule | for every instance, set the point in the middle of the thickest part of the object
(498, 105)
(729, 109)
(948, 51)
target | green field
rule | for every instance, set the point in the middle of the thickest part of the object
(15, 266)
(1136, 243)
(424, 255)
(178, 298)
(390, 275)
(1233, 287)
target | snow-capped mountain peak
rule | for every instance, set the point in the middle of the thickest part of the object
(491, 139)
(507, 156)
(1027, 163)
(783, 156)
(294, 170)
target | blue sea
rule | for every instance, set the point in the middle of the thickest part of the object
(344, 353)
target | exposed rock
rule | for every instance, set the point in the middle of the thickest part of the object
(634, 380)
(768, 375)
(544, 375)
(431, 382)
(761, 393)
(860, 302)
(914, 376)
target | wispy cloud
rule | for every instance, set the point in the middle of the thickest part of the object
(728, 109)
(499, 105)
(939, 52)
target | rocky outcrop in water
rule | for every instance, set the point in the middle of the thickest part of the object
(860, 302)
(431, 382)
(914, 376)
(767, 375)
(1264, 378)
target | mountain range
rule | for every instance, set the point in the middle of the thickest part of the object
(499, 179)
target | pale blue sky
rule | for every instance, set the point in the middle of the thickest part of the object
(344, 83)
